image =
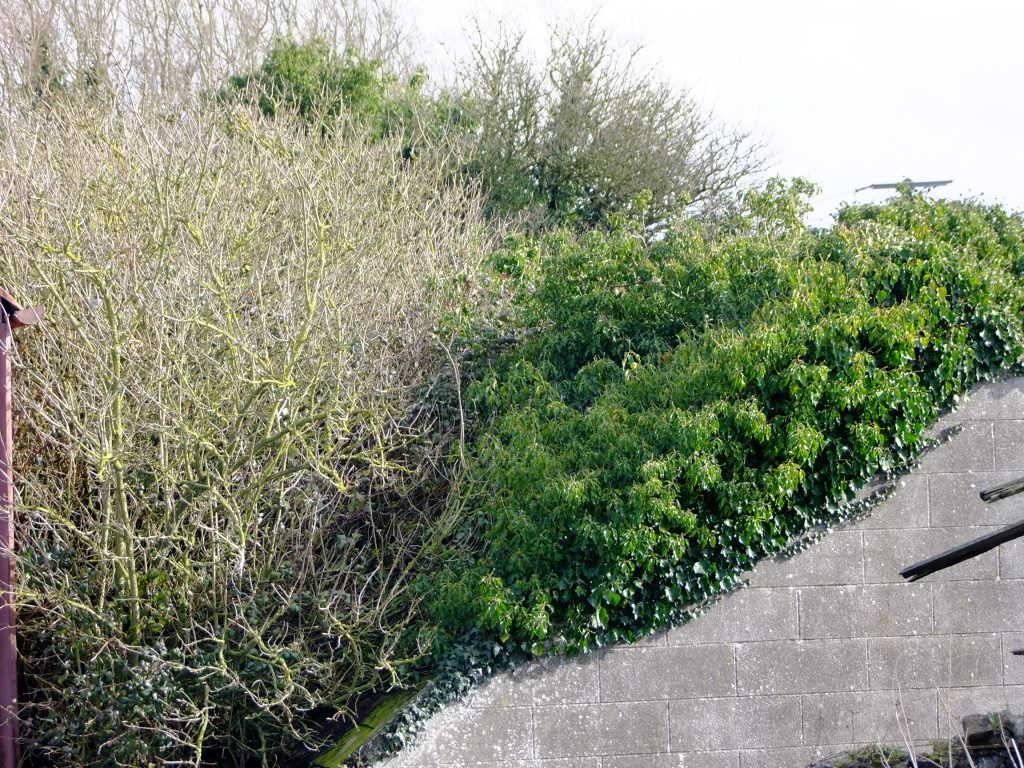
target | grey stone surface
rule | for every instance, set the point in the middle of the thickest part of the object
(681, 672)
(558, 681)
(804, 666)
(735, 723)
(1011, 560)
(995, 401)
(645, 761)
(774, 758)
(906, 508)
(877, 610)
(626, 728)
(868, 717)
(934, 661)
(1013, 666)
(564, 681)
(481, 735)
(954, 499)
(727, 759)
(907, 662)
(1009, 443)
(657, 638)
(975, 660)
(971, 450)
(568, 762)
(886, 553)
(972, 606)
(821, 653)
(749, 614)
(836, 559)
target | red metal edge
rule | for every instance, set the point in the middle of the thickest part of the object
(24, 317)
(9, 746)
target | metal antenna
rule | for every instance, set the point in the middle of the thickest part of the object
(912, 184)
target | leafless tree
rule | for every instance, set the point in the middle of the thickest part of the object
(166, 51)
(585, 133)
(226, 425)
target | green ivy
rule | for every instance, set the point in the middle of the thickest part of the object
(681, 409)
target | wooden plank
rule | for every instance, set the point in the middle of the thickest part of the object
(963, 552)
(1003, 491)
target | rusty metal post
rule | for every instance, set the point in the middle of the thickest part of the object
(12, 315)
(8, 645)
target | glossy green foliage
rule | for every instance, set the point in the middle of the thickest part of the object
(684, 408)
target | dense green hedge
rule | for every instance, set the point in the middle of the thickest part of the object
(681, 409)
(331, 91)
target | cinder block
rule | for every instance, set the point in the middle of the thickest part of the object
(1013, 666)
(886, 553)
(971, 449)
(906, 508)
(975, 660)
(995, 400)
(506, 689)
(643, 761)
(978, 606)
(721, 724)
(837, 558)
(1009, 444)
(871, 717)
(954, 500)
(502, 690)
(564, 681)
(466, 735)
(680, 672)
(1011, 559)
(878, 610)
(550, 681)
(729, 759)
(908, 662)
(581, 730)
(801, 666)
(748, 614)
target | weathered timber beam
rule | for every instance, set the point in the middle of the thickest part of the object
(1011, 488)
(963, 552)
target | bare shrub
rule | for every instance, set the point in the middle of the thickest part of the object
(225, 480)
(165, 52)
(588, 132)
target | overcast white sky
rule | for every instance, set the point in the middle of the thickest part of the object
(845, 94)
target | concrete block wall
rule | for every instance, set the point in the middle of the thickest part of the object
(819, 653)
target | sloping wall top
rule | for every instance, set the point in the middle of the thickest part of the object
(821, 652)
